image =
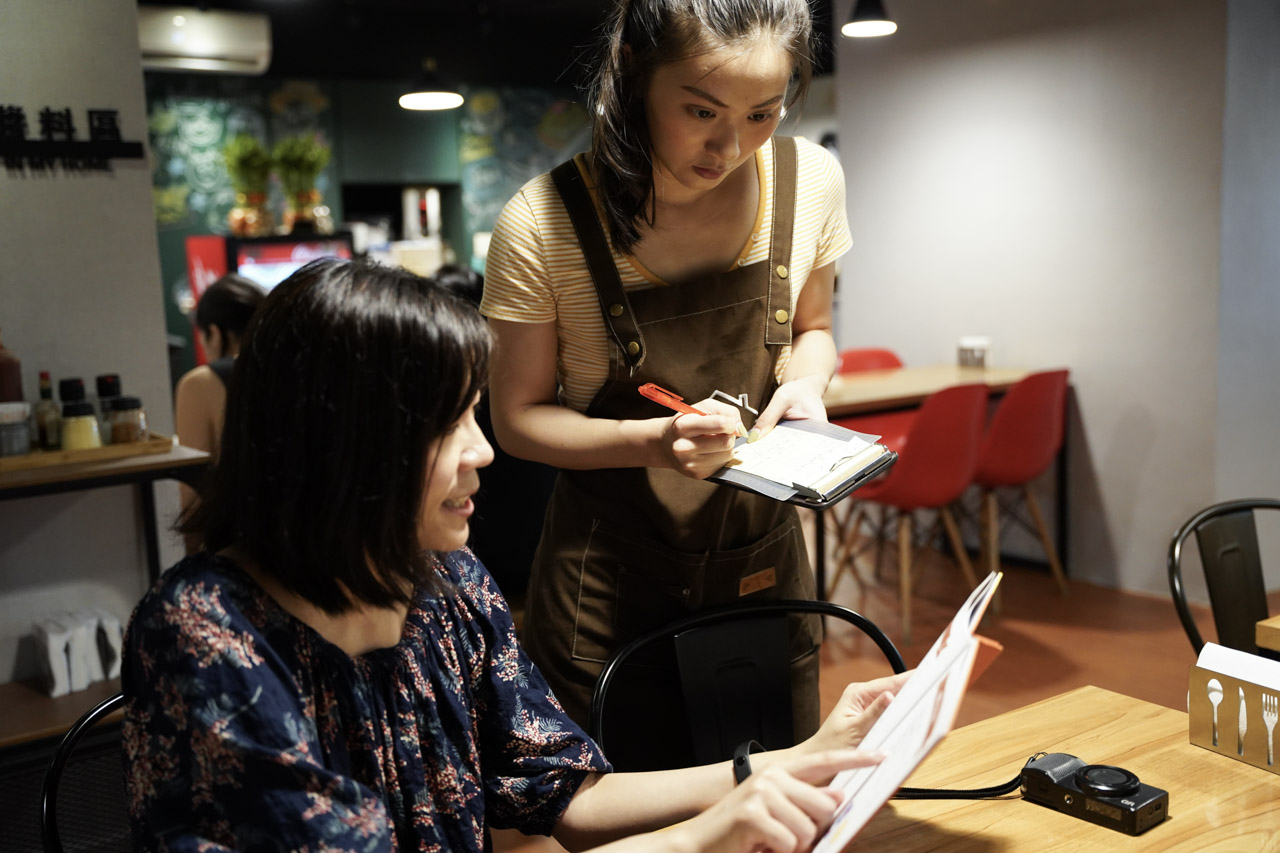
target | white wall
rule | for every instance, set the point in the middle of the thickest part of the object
(1049, 174)
(1248, 424)
(79, 295)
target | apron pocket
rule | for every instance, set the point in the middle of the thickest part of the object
(629, 585)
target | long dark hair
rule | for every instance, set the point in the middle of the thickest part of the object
(659, 32)
(348, 374)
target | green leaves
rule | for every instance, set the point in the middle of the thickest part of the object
(298, 161)
(248, 164)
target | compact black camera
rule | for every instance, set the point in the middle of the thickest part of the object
(1099, 793)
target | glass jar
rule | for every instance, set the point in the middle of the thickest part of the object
(79, 426)
(15, 429)
(128, 421)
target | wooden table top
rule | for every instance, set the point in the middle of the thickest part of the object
(1267, 634)
(897, 387)
(1215, 803)
(177, 457)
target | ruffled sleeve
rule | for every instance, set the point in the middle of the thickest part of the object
(535, 756)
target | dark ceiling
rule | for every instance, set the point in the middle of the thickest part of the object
(486, 42)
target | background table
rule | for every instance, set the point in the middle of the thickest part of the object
(1267, 634)
(906, 387)
(1214, 802)
(180, 463)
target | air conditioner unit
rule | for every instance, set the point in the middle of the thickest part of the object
(175, 38)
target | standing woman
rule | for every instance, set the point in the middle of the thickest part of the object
(693, 249)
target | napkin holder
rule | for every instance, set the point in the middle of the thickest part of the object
(1200, 719)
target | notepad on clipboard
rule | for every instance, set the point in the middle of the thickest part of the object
(806, 462)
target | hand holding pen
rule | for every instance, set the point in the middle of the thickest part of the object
(699, 445)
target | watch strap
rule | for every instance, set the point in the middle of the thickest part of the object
(742, 760)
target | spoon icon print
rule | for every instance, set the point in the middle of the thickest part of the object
(1215, 697)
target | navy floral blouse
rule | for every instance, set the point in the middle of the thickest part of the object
(245, 729)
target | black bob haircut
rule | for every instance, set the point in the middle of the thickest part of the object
(349, 373)
(228, 304)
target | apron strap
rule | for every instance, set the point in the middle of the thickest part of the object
(778, 315)
(619, 319)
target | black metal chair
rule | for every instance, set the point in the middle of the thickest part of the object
(97, 815)
(709, 682)
(1228, 540)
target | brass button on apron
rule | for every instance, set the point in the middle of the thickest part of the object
(633, 348)
(615, 309)
(782, 271)
(781, 316)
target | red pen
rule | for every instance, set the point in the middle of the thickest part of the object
(672, 401)
(675, 402)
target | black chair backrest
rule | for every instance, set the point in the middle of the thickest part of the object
(709, 682)
(1228, 540)
(96, 796)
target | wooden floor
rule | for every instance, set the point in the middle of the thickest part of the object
(1125, 642)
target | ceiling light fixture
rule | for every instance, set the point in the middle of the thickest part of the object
(429, 92)
(868, 20)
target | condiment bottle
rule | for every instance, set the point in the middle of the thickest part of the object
(48, 420)
(128, 421)
(10, 377)
(108, 387)
(15, 430)
(79, 426)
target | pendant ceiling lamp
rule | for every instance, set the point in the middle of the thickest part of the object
(867, 20)
(430, 92)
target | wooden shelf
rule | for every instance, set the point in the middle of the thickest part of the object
(27, 713)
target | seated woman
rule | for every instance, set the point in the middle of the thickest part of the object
(200, 399)
(335, 671)
(222, 314)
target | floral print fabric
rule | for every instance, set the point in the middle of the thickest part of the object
(245, 729)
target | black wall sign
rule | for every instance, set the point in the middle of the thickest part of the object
(57, 146)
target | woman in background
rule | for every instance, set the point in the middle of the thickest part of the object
(336, 672)
(693, 249)
(200, 400)
(222, 314)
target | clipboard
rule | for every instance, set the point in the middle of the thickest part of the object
(802, 495)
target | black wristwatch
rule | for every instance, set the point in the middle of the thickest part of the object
(742, 760)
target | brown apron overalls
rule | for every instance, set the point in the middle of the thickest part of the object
(626, 550)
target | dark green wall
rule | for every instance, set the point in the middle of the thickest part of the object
(189, 119)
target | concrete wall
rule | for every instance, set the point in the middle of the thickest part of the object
(79, 296)
(1050, 174)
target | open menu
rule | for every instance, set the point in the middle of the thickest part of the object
(806, 462)
(914, 723)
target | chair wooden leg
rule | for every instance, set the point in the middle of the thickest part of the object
(845, 552)
(957, 545)
(990, 523)
(904, 572)
(1054, 563)
(846, 545)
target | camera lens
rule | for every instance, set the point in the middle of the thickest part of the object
(1106, 780)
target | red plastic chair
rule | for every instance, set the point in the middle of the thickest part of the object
(892, 427)
(866, 358)
(1024, 437)
(937, 465)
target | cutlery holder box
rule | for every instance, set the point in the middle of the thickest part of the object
(1252, 748)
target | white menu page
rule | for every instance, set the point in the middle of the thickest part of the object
(913, 724)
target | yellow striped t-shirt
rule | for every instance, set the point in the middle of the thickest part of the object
(536, 273)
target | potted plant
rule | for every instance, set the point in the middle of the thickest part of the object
(249, 166)
(298, 161)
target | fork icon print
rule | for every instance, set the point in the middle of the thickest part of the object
(1270, 713)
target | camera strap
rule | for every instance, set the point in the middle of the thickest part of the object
(964, 793)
